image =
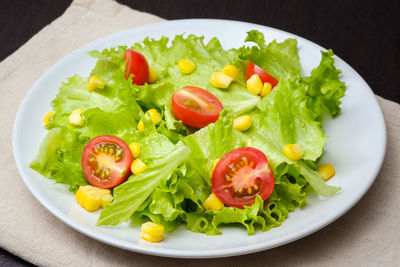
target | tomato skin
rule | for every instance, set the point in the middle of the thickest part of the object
(116, 176)
(252, 68)
(136, 64)
(195, 106)
(254, 171)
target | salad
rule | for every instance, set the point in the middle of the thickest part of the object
(170, 132)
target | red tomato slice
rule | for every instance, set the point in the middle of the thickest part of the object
(240, 175)
(195, 106)
(106, 161)
(136, 64)
(252, 68)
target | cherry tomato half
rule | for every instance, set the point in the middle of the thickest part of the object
(136, 64)
(240, 175)
(106, 161)
(195, 106)
(252, 68)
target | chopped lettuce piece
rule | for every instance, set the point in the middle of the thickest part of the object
(59, 158)
(131, 194)
(286, 119)
(281, 60)
(324, 87)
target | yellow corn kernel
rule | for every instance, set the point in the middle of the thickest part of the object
(242, 123)
(93, 198)
(326, 170)
(75, 118)
(140, 126)
(151, 238)
(254, 84)
(135, 149)
(138, 166)
(186, 66)
(46, 119)
(213, 203)
(153, 229)
(152, 75)
(267, 88)
(293, 152)
(231, 71)
(220, 80)
(154, 115)
(152, 232)
(95, 83)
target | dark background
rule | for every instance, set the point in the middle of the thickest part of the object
(365, 34)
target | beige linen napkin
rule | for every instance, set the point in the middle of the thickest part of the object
(369, 234)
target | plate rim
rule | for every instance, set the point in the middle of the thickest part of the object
(165, 252)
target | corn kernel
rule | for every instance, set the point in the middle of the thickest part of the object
(254, 84)
(220, 80)
(93, 198)
(242, 123)
(135, 149)
(95, 83)
(326, 171)
(231, 71)
(138, 166)
(46, 119)
(152, 232)
(186, 66)
(140, 126)
(154, 115)
(151, 238)
(75, 118)
(267, 88)
(152, 75)
(153, 229)
(293, 152)
(213, 203)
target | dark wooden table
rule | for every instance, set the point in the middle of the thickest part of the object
(363, 33)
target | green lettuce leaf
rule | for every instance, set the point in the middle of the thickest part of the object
(131, 194)
(59, 158)
(281, 60)
(183, 192)
(324, 87)
(286, 119)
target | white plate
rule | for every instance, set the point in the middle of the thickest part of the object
(356, 148)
